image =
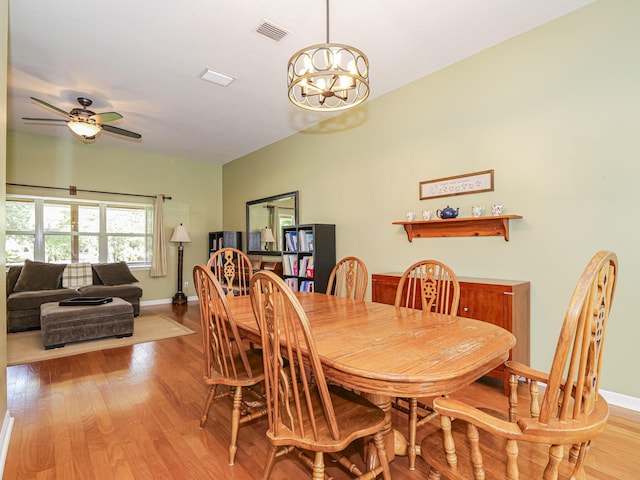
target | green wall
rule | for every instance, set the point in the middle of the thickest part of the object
(195, 188)
(555, 112)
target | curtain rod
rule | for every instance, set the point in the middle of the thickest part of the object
(73, 190)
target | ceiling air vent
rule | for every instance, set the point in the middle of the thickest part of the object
(271, 31)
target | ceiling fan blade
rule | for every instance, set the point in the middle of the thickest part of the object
(44, 119)
(106, 117)
(48, 105)
(120, 131)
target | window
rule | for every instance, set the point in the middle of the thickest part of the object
(69, 231)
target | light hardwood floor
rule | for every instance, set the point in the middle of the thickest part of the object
(133, 413)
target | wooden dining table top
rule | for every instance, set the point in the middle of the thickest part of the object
(392, 351)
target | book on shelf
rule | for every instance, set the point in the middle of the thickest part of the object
(292, 283)
(302, 270)
(290, 265)
(306, 286)
(305, 241)
(310, 270)
(291, 241)
(305, 268)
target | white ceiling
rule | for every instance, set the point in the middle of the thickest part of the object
(144, 58)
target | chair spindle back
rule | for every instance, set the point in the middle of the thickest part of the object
(349, 279)
(294, 371)
(430, 285)
(574, 378)
(224, 352)
(233, 269)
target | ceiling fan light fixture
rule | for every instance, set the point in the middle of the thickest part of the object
(83, 128)
(328, 76)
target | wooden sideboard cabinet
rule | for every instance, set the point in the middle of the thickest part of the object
(502, 302)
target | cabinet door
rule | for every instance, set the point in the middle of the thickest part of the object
(480, 305)
(383, 288)
(491, 307)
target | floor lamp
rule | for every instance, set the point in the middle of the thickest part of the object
(180, 236)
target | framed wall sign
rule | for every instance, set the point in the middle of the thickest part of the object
(458, 185)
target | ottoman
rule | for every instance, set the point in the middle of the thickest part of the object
(62, 325)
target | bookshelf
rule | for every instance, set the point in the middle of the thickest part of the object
(308, 256)
(218, 240)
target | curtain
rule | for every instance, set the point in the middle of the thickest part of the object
(275, 227)
(159, 245)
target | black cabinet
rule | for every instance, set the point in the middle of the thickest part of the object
(308, 256)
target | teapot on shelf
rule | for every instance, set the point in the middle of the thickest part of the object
(447, 212)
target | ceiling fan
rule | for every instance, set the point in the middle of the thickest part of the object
(84, 122)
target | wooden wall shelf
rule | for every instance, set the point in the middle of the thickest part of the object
(489, 226)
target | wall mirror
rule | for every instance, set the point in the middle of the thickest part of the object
(265, 219)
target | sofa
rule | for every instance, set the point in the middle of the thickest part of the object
(34, 283)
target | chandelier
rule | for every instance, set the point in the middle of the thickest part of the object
(328, 77)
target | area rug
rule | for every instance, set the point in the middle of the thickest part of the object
(26, 347)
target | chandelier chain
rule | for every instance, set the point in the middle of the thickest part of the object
(328, 21)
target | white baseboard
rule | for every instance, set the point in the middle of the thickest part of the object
(163, 301)
(620, 400)
(5, 437)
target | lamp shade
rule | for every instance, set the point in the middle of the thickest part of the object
(180, 234)
(84, 129)
(266, 235)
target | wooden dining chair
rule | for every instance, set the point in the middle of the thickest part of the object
(349, 278)
(226, 360)
(429, 285)
(233, 269)
(305, 412)
(572, 411)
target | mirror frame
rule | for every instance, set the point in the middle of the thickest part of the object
(274, 253)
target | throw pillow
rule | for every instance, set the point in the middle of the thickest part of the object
(12, 277)
(114, 273)
(77, 275)
(39, 276)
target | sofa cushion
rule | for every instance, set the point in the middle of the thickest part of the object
(114, 273)
(39, 276)
(77, 275)
(33, 299)
(122, 291)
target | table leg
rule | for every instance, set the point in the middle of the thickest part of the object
(395, 441)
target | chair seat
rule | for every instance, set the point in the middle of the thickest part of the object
(532, 457)
(356, 417)
(243, 380)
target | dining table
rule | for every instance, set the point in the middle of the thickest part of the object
(386, 352)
